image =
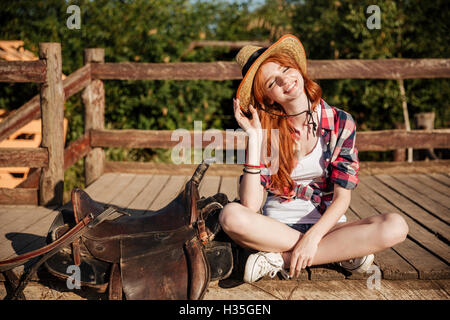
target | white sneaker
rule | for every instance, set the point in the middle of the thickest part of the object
(262, 263)
(360, 265)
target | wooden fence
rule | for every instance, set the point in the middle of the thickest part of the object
(45, 185)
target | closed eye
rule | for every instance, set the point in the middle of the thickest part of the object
(271, 84)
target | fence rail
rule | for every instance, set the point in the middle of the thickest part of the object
(45, 182)
(379, 69)
(23, 71)
(383, 140)
(24, 157)
(31, 110)
(317, 69)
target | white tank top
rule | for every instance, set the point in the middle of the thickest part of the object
(299, 211)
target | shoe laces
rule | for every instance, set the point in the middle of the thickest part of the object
(271, 267)
(354, 262)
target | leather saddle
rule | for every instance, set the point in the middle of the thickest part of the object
(167, 254)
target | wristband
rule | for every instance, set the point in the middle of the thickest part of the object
(252, 172)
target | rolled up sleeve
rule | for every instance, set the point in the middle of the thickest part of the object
(345, 166)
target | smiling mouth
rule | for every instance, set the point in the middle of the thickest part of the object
(291, 87)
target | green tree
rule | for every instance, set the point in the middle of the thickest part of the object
(337, 30)
(161, 31)
(136, 31)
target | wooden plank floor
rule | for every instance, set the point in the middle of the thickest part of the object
(422, 199)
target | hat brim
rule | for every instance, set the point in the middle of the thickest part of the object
(287, 43)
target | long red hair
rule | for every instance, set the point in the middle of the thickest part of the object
(281, 180)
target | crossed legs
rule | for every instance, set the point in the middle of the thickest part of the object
(344, 241)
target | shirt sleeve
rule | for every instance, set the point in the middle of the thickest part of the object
(345, 166)
(265, 180)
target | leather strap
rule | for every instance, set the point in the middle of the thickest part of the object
(51, 249)
(76, 251)
(67, 238)
(202, 234)
(199, 272)
(193, 197)
(110, 213)
(88, 221)
(115, 283)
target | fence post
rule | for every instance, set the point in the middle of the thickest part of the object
(400, 154)
(405, 114)
(93, 97)
(51, 182)
(425, 121)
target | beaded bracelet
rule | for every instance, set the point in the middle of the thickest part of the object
(252, 172)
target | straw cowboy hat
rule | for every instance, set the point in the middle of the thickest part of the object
(249, 58)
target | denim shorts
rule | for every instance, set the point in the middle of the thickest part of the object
(302, 227)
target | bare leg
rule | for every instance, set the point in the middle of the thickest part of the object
(344, 241)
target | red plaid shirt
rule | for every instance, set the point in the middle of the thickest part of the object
(338, 129)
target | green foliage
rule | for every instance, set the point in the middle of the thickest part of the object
(409, 29)
(129, 31)
(73, 178)
(137, 31)
(337, 30)
(161, 31)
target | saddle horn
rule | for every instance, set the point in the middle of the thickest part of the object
(200, 172)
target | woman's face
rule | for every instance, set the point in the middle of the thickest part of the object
(281, 84)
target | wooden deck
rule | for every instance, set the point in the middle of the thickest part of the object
(422, 199)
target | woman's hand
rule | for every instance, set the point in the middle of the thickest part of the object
(252, 125)
(303, 253)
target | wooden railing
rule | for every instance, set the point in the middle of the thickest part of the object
(54, 159)
(317, 69)
(383, 140)
(49, 157)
